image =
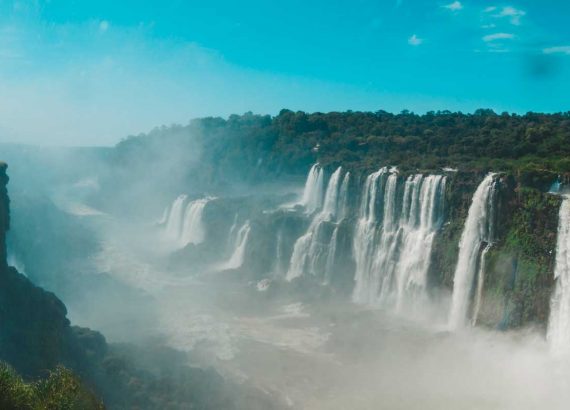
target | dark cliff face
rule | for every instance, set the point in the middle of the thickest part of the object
(35, 335)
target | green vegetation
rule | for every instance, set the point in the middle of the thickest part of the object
(255, 146)
(61, 390)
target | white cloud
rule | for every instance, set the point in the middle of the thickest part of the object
(103, 26)
(455, 6)
(498, 36)
(414, 40)
(512, 13)
(557, 50)
(492, 25)
(490, 9)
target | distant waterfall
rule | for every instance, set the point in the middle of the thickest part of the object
(313, 193)
(558, 333)
(238, 256)
(310, 252)
(175, 218)
(184, 224)
(478, 231)
(392, 243)
(193, 231)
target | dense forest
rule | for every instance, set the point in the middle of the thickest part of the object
(251, 146)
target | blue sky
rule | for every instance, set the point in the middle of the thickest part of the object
(92, 72)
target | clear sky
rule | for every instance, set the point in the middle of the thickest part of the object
(92, 72)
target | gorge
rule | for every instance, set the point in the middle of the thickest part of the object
(308, 275)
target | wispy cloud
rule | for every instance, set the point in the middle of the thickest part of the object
(498, 36)
(513, 14)
(557, 50)
(455, 6)
(490, 9)
(414, 40)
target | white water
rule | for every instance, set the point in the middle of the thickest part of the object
(342, 210)
(393, 249)
(184, 223)
(193, 230)
(313, 193)
(331, 197)
(478, 230)
(558, 334)
(310, 252)
(175, 218)
(238, 256)
(480, 285)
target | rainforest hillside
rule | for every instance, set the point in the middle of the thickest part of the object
(252, 146)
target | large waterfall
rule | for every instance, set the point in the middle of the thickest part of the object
(559, 323)
(184, 224)
(393, 241)
(478, 231)
(313, 251)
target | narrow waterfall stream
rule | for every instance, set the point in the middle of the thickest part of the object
(478, 230)
(558, 333)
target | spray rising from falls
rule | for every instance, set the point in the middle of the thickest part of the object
(184, 224)
(478, 231)
(393, 242)
(312, 251)
(559, 323)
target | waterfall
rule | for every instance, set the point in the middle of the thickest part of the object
(478, 230)
(558, 334)
(313, 193)
(184, 224)
(175, 218)
(365, 235)
(343, 197)
(237, 258)
(331, 197)
(480, 285)
(393, 250)
(331, 257)
(193, 231)
(310, 251)
(418, 230)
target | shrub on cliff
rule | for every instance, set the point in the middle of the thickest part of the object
(61, 390)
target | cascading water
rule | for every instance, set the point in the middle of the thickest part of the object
(238, 256)
(558, 334)
(342, 207)
(365, 235)
(310, 251)
(392, 244)
(184, 224)
(193, 231)
(175, 218)
(313, 193)
(478, 230)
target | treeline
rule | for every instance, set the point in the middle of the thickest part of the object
(255, 146)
